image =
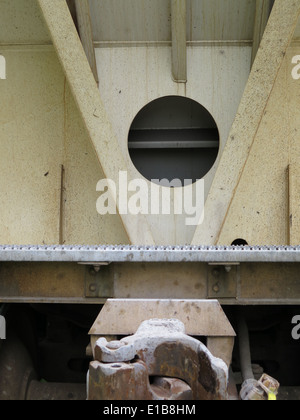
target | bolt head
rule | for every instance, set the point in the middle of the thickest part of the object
(216, 288)
(92, 287)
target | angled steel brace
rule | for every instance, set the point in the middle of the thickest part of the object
(86, 34)
(263, 10)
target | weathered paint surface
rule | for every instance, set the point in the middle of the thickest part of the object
(47, 122)
(248, 197)
(22, 23)
(41, 130)
(82, 223)
(268, 186)
(32, 98)
(91, 106)
(134, 76)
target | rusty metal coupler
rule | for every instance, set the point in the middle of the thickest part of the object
(159, 362)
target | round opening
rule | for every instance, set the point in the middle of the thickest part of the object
(173, 138)
(239, 242)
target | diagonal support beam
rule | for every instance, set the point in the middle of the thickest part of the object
(263, 10)
(269, 59)
(86, 94)
(179, 54)
(86, 33)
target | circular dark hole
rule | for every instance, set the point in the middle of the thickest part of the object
(239, 242)
(173, 138)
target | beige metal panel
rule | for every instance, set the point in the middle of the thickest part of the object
(297, 32)
(293, 89)
(22, 23)
(275, 211)
(30, 152)
(84, 89)
(220, 19)
(131, 78)
(40, 130)
(82, 223)
(258, 212)
(278, 36)
(268, 193)
(131, 20)
(224, 73)
(294, 208)
(134, 76)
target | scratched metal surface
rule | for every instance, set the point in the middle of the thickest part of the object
(213, 254)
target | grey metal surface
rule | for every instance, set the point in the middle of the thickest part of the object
(174, 145)
(94, 254)
(198, 138)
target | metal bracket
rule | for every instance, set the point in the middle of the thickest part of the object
(223, 280)
(98, 283)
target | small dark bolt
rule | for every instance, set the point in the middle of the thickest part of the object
(92, 287)
(216, 288)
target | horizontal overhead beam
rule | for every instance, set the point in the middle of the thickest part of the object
(179, 39)
(262, 14)
(86, 33)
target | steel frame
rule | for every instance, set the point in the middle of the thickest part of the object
(233, 275)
